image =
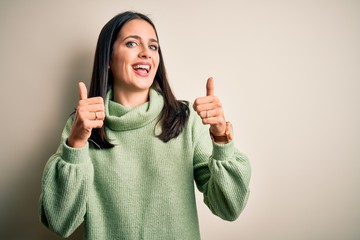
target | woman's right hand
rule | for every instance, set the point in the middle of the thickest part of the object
(89, 114)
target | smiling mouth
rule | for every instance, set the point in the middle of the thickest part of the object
(142, 68)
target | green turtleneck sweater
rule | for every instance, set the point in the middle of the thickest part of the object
(142, 188)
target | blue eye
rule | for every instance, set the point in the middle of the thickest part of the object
(153, 47)
(131, 44)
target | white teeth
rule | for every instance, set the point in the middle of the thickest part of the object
(146, 67)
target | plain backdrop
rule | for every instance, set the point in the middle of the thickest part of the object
(288, 75)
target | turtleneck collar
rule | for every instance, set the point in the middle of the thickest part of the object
(122, 118)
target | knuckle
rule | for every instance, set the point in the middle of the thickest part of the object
(81, 102)
(197, 109)
(100, 99)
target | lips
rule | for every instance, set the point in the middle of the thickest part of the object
(142, 68)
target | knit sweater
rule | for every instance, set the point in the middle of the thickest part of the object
(142, 188)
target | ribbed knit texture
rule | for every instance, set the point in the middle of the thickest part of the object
(142, 188)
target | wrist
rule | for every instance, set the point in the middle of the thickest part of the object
(225, 137)
(75, 143)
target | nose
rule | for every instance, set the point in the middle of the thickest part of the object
(145, 53)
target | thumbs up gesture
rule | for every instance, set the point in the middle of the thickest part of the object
(89, 114)
(210, 110)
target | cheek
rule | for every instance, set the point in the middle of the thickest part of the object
(121, 56)
(118, 64)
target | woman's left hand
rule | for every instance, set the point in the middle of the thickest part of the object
(210, 110)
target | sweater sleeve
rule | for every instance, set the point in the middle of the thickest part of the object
(222, 174)
(64, 189)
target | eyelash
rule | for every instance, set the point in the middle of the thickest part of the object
(130, 44)
(133, 44)
(154, 47)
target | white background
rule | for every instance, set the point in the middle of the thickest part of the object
(287, 72)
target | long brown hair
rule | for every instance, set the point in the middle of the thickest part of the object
(175, 113)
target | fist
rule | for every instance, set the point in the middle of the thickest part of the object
(210, 110)
(89, 114)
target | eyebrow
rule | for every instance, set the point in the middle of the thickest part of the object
(139, 38)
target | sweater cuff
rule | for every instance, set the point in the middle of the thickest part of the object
(223, 151)
(75, 155)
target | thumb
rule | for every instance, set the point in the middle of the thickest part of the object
(210, 87)
(82, 91)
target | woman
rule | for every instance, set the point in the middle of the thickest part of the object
(129, 156)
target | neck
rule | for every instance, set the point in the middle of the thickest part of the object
(130, 98)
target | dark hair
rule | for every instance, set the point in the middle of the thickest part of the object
(174, 114)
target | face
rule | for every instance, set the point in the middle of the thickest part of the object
(135, 57)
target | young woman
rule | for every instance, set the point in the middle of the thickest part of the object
(130, 155)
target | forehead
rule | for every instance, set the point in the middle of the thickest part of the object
(138, 27)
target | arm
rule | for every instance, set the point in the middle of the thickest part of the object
(69, 172)
(66, 179)
(222, 174)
